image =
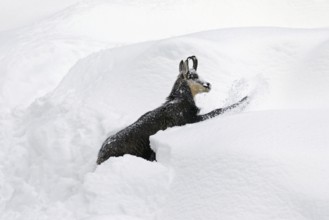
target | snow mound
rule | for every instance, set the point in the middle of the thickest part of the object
(252, 165)
(288, 67)
(35, 58)
(228, 169)
(143, 192)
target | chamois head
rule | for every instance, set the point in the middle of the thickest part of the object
(195, 84)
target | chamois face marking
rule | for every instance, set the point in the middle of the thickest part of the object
(196, 84)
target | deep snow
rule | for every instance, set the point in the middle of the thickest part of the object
(260, 164)
(264, 165)
(267, 162)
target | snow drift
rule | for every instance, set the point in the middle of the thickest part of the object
(35, 58)
(266, 163)
(57, 106)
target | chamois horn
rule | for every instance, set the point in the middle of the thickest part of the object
(194, 60)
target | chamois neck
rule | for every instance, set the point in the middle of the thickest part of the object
(181, 90)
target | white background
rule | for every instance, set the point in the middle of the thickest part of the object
(283, 13)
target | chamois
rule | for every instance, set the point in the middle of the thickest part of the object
(179, 109)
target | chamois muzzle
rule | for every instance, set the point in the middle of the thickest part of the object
(207, 85)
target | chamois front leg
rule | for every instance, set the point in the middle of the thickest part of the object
(222, 110)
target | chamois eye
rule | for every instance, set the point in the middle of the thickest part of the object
(192, 76)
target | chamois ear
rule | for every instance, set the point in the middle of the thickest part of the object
(182, 68)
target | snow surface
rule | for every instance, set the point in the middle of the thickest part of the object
(63, 92)
(232, 170)
(35, 58)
